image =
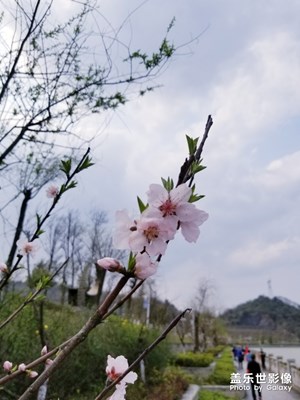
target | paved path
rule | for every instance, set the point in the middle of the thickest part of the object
(275, 394)
(271, 394)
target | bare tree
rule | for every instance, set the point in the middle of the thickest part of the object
(100, 245)
(202, 313)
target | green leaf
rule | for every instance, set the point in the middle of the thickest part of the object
(168, 184)
(40, 232)
(142, 206)
(66, 166)
(65, 187)
(192, 144)
(87, 162)
(131, 262)
(38, 219)
(195, 197)
(196, 167)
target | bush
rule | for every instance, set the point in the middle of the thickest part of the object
(215, 350)
(190, 359)
(210, 395)
(167, 385)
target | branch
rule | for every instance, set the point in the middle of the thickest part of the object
(185, 173)
(30, 298)
(173, 323)
(36, 234)
(16, 60)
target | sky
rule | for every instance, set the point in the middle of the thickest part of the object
(243, 68)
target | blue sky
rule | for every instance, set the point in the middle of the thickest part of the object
(244, 70)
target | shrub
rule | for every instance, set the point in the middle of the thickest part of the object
(210, 395)
(167, 385)
(190, 359)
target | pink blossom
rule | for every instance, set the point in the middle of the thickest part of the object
(124, 226)
(174, 206)
(26, 247)
(7, 366)
(120, 392)
(144, 266)
(116, 367)
(52, 191)
(111, 264)
(151, 234)
(3, 268)
(44, 351)
(32, 374)
(22, 367)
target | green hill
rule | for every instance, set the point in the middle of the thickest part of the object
(264, 320)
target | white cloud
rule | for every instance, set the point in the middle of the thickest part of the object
(257, 254)
(280, 173)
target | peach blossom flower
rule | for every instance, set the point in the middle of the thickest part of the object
(7, 366)
(3, 268)
(174, 206)
(52, 191)
(26, 247)
(116, 367)
(144, 266)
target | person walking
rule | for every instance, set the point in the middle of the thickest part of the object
(263, 359)
(254, 369)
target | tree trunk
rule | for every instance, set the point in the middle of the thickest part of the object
(27, 197)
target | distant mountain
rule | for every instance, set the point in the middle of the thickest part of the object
(269, 318)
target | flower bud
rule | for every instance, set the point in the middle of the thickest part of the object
(7, 366)
(3, 268)
(22, 367)
(32, 374)
(110, 264)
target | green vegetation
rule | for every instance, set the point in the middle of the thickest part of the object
(167, 385)
(210, 395)
(83, 374)
(223, 369)
(190, 359)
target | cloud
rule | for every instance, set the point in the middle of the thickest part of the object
(280, 173)
(257, 254)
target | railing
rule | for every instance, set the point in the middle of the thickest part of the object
(277, 365)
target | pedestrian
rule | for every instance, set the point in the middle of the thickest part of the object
(240, 357)
(254, 369)
(263, 359)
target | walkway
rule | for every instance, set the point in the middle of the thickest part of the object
(271, 394)
(275, 394)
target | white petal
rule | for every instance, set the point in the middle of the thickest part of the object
(190, 231)
(180, 193)
(157, 195)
